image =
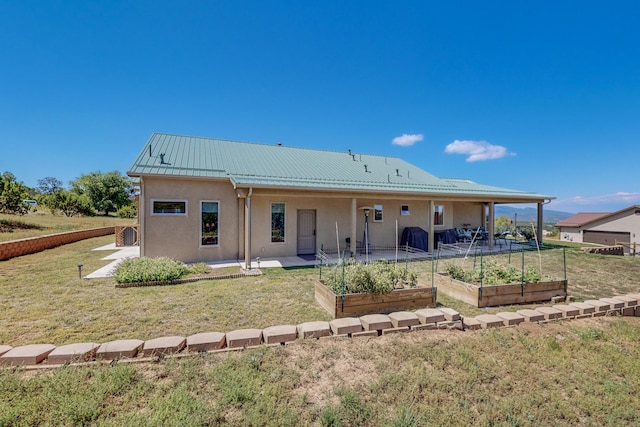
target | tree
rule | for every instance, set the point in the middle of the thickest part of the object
(49, 185)
(502, 223)
(12, 195)
(107, 192)
(70, 203)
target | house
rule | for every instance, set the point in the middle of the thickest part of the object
(604, 228)
(204, 199)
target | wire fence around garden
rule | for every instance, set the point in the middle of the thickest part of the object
(515, 263)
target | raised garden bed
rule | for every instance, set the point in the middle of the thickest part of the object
(494, 295)
(370, 303)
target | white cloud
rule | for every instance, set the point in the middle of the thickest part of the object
(619, 197)
(477, 150)
(407, 139)
(597, 203)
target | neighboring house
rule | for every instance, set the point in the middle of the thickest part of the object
(604, 228)
(204, 199)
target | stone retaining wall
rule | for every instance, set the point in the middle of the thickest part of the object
(605, 250)
(32, 245)
(37, 356)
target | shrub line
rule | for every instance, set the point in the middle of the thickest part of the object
(253, 272)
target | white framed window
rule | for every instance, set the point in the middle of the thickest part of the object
(168, 207)
(278, 211)
(404, 210)
(209, 223)
(377, 213)
(438, 215)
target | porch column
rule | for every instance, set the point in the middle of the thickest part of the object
(432, 237)
(142, 214)
(247, 231)
(353, 230)
(492, 220)
(240, 226)
(540, 217)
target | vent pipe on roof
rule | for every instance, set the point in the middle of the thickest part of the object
(354, 157)
(349, 151)
(365, 168)
(279, 144)
(397, 172)
(149, 150)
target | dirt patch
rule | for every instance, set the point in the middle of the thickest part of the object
(10, 226)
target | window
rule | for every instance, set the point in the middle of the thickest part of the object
(404, 210)
(277, 222)
(209, 226)
(438, 215)
(377, 213)
(168, 207)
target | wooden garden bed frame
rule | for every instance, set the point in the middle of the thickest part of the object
(361, 304)
(495, 295)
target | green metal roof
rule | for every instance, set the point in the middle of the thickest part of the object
(277, 166)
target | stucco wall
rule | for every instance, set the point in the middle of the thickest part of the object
(626, 221)
(571, 234)
(178, 236)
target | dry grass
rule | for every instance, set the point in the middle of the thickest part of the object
(40, 223)
(567, 373)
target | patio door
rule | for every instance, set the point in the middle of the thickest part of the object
(306, 232)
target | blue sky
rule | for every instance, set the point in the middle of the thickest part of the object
(537, 96)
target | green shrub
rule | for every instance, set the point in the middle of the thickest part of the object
(492, 273)
(199, 268)
(134, 270)
(375, 277)
(130, 211)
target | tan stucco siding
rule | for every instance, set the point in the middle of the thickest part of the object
(571, 234)
(627, 222)
(178, 236)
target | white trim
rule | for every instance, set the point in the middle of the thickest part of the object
(217, 245)
(186, 207)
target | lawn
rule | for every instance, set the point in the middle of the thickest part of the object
(581, 372)
(39, 223)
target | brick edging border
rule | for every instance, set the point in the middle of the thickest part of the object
(31, 245)
(36, 356)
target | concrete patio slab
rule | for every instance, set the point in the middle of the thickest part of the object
(118, 349)
(5, 348)
(314, 329)
(244, 338)
(568, 311)
(31, 354)
(430, 315)
(489, 320)
(615, 304)
(599, 305)
(550, 313)
(206, 341)
(345, 325)
(450, 314)
(530, 315)
(375, 322)
(510, 318)
(280, 334)
(583, 307)
(403, 318)
(163, 346)
(73, 353)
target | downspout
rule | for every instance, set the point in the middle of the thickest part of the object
(247, 230)
(540, 223)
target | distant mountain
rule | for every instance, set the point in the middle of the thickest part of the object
(531, 214)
